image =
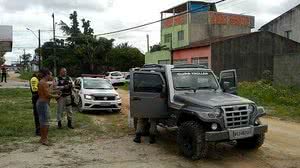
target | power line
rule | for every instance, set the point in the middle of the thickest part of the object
(157, 21)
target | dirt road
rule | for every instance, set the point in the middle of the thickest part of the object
(281, 150)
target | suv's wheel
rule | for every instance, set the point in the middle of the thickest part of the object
(251, 143)
(191, 140)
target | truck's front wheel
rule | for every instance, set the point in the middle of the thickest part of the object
(251, 143)
(191, 140)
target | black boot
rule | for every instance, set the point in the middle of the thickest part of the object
(59, 126)
(70, 124)
(137, 138)
(152, 139)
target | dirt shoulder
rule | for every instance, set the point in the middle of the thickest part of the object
(281, 149)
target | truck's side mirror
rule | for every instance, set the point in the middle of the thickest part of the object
(228, 81)
(226, 86)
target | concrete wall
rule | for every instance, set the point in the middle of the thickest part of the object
(154, 57)
(174, 31)
(188, 54)
(215, 24)
(289, 21)
(287, 70)
(250, 54)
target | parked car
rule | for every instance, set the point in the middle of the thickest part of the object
(115, 77)
(204, 109)
(96, 94)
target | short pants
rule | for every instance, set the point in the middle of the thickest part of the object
(43, 111)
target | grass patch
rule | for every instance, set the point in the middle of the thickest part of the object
(283, 102)
(25, 75)
(16, 119)
(125, 86)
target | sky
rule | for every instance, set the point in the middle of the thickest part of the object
(111, 15)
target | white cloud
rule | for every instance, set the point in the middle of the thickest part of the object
(111, 15)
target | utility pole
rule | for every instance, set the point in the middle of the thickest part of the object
(171, 49)
(54, 47)
(40, 50)
(148, 43)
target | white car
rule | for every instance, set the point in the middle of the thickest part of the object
(115, 77)
(93, 94)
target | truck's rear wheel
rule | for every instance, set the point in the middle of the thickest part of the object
(191, 140)
(251, 143)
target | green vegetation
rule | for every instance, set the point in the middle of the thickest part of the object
(26, 75)
(125, 86)
(17, 123)
(82, 52)
(283, 102)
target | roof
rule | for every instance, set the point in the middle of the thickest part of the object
(289, 11)
(184, 5)
(222, 39)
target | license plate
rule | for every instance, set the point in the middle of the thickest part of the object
(240, 133)
(105, 104)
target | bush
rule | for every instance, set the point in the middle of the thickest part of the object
(284, 100)
(26, 75)
(264, 93)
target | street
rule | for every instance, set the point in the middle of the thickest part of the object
(281, 149)
(14, 82)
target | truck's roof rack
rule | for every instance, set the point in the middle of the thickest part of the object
(152, 66)
(190, 66)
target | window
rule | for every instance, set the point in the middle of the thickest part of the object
(168, 38)
(147, 83)
(200, 61)
(96, 84)
(182, 61)
(164, 62)
(180, 35)
(116, 74)
(288, 34)
(189, 79)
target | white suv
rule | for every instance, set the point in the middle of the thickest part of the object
(115, 77)
(96, 94)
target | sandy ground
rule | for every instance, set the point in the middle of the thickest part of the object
(281, 150)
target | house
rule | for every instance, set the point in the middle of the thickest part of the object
(6, 38)
(222, 41)
(196, 21)
(287, 24)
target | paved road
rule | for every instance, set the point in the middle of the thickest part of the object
(14, 82)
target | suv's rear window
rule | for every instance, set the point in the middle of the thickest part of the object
(116, 74)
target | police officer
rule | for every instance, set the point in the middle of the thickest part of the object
(142, 128)
(64, 103)
(34, 81)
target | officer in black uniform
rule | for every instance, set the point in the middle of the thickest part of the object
(34, 82)
(64, 103)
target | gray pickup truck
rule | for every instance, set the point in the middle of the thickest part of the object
(203, 107)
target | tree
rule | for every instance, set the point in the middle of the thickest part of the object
(2, 59)
(125, 57)
(157, 47)
(82, 52)
(25, 61)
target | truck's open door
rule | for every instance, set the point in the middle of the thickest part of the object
(148, 97)
(228, 81)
